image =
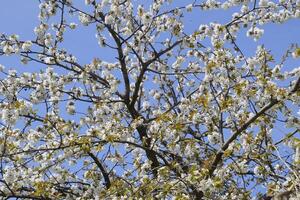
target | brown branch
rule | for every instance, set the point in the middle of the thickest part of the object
(102, 169)
(163, 52)
(218, 157)
(144, 69)
(16, 196)
(151, 155)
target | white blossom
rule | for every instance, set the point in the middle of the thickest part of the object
(84, 19)
(8, 49)
(214, 137)
(109, 19)
(255, 32)
(26, 45)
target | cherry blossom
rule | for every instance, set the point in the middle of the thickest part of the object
(176, 112)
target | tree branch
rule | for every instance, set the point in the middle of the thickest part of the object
(102, 169)
(218, 157)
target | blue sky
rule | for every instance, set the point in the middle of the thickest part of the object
(21, 16)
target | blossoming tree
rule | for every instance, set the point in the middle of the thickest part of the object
(177, 115)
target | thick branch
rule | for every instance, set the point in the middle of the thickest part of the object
(218, 157)
(142, 130)
(103, 171)
(144, 69)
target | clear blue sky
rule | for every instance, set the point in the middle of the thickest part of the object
(21, 16)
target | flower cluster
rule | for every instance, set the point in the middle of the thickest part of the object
(175, 112)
